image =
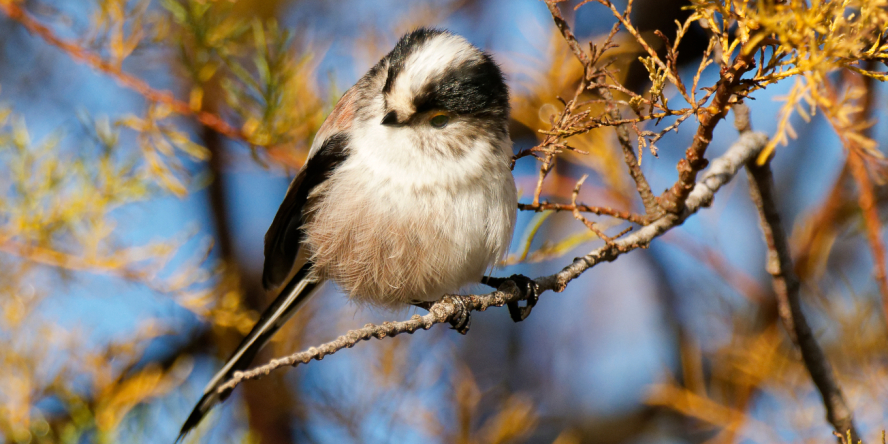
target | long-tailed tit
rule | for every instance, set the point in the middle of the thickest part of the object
(407, 193)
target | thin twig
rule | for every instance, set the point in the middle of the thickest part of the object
(671, 72)
(567, 33)
(564, 120)
(15, 12)
(688, 167)
(652, 209)
(721, 172)
(786, 285)
(598, 211)
(578, 216)
(866, 197)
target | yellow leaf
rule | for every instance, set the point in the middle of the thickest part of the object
(195, 100)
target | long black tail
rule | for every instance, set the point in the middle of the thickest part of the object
(292, 296)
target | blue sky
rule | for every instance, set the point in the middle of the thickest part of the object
(601, 342)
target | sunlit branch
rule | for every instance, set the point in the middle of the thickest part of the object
(116, 265)
(866, 192)
(688, 167)
(15, 12)
(652, 209)
(598, 211)
(855, 135)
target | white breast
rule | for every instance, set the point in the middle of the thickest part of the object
(397, 224)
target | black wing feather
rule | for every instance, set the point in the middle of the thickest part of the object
(284, 236)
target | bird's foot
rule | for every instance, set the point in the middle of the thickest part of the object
(461, 319)
(528, 289)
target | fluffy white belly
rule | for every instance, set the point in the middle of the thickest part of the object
(392, 240)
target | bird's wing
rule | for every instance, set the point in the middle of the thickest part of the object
(282, 245)
(284, 237)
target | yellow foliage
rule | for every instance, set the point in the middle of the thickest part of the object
(58, 196)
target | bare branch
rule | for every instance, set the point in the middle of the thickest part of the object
(673, 199)
(786, 285)
(866, 196)
(576, 213)
(652, 208)
(567, 33)
(867, 200)
(598, 211)
(721, 172)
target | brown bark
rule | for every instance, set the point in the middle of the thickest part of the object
(787, 286)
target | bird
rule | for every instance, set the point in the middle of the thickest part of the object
(406, 195)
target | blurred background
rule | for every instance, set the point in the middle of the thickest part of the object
(131, 244)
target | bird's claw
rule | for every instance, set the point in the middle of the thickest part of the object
(462, 318)
(529, 292)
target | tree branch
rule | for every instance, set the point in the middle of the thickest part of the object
(673, 200)
(15, 12)
(786, 285)
(598, 211)
(651, 207)
(867, 201)
(721, 172)
(280, 154)
(866, 196)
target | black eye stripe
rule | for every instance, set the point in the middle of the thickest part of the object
(476, 86)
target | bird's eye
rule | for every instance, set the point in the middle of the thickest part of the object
(440, 120)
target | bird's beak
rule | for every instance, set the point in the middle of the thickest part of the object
(391, 119)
